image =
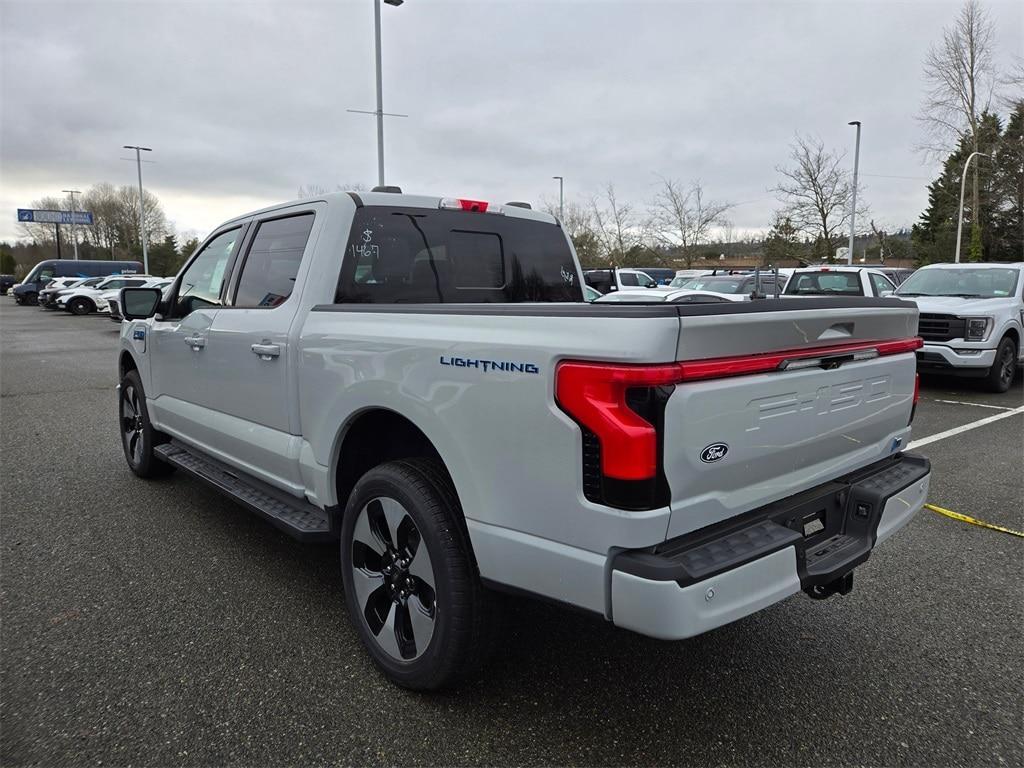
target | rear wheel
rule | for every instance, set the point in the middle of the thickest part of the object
(80, 306)
(1004, 367)
(411, 587)
(138, 438)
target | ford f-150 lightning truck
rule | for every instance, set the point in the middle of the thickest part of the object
(420, 379)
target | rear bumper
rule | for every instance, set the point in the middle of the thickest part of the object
(939, 358)
(716, 575)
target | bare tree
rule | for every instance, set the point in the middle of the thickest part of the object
(961, 80)
(682, 218)
(816, 192)
(616, 225)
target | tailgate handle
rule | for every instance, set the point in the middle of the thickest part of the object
(837, 331)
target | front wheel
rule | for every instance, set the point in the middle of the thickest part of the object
(137, 434)
(80, 306)
(1004, 367)
(411, 587)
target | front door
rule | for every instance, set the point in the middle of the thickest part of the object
(179, 349)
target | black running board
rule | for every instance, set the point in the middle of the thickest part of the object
(296, 517)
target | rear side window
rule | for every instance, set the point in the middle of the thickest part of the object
(825, 284)
(268, 275)
(416, 255)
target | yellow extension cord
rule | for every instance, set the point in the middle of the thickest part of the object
(972, 521)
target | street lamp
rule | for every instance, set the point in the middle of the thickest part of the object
(561, 197)
(74, 232)
(142, 206)
(853, 201)
(960, 219)
(379, 112)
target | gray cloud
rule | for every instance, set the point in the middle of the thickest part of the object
(244, 102)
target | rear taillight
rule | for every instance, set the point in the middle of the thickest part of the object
(598, 397)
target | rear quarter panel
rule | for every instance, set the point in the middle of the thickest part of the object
(514, 456)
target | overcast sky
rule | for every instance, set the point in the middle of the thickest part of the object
(243, 102)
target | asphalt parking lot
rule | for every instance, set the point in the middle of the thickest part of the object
(159, 624)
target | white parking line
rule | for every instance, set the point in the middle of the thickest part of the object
(977, 405)
(965, 428)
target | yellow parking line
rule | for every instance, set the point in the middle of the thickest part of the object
(972, 521)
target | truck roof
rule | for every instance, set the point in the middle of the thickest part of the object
(403, 200)
(977, 264)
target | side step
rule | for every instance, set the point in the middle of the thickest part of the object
(296, 517)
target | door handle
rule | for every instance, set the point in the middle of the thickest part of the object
(267, 351)
(196, 342)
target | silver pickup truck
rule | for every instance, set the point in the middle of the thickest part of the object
(420, 379)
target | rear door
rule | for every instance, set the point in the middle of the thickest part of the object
(179, 352)
(736, 442)
(253, 345)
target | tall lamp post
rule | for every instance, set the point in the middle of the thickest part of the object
(74, 232)
(561, 197)
(853, 200)
(960, 218)
(142, 205)
(379, 112)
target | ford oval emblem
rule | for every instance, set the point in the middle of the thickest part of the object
(714, 452)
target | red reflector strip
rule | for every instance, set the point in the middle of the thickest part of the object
(722, 367)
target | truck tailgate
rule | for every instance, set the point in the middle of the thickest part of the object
(735, 443)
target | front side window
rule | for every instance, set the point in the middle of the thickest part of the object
(881, 283)
(418, 255)
(268, 275)
(201, 282)
(628, 278)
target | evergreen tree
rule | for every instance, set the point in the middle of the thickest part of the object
(1008, 218)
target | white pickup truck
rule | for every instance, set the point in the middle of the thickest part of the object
(972, 320)
(421, 379)
(839, 281)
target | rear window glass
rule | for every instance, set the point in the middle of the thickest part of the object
(416, 255)
(825, 284)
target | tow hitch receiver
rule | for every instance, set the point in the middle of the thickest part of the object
(841, 586)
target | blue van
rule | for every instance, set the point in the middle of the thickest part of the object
(43, 272)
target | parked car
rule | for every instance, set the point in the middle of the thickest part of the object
(27, 292)
(47, 298)
(682, 275)
(86, 300)
(737, 287)
(6, 283)
(461, 429)
(972, 320)
(616, 279)
(839, 281)
(112, 297)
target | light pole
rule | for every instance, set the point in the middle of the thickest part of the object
(960, 219)
(853, 200)
(74, 232)
(561, 197)
(142, 206)
(379, 112)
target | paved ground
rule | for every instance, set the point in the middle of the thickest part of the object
(158, 624)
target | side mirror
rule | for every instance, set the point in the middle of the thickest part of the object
(652, 284)
(887, 293)
(139, 303)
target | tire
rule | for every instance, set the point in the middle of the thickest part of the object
(80, 306)
(1004, 367)
(138, 438)
(426, 621)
